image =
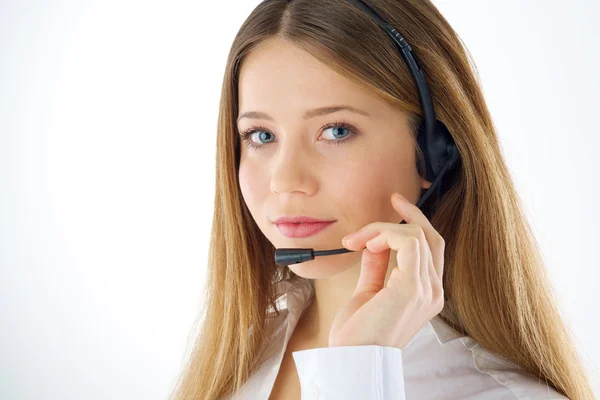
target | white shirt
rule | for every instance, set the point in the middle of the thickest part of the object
(437, 363)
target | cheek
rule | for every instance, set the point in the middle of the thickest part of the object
(362, 191)
(365, 191)
(249, 187)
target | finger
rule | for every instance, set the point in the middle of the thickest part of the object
(411, 214)
(437, 290)
(373, 268)
(358, 239)
(393, 238)
(381, 242)
(425, 261)
(409, 259)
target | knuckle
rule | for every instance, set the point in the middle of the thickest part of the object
(419, 294)
(420, 232)
(438, 294)
(412, 242)
(441, 241)
(440, 304)
(437, 287)
(438, 297)
(381, 225)
(416, 230)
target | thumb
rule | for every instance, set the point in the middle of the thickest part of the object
(373, 269)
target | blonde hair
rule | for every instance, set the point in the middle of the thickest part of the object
(494, 280)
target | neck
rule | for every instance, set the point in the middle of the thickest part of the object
(331, 294)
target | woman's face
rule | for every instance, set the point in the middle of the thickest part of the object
(344, 174)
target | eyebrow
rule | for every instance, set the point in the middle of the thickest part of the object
(317, 112)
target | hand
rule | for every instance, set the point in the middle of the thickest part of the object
(392, 315)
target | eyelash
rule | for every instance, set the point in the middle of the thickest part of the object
(245, 136)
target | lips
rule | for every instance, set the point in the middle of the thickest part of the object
(302, 230)
(299, 219)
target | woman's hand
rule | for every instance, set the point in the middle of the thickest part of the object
(392, 315)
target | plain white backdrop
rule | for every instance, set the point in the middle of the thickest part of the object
(108, 114)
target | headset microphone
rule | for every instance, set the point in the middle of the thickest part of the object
(433, 138)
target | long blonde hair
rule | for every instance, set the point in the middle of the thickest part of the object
(494, 279)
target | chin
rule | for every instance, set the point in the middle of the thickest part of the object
(326, 266)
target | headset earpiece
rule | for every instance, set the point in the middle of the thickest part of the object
(440, 151)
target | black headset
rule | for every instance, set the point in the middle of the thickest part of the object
(434, 140)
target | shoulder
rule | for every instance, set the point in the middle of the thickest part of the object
(462, 368)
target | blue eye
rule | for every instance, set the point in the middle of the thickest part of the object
(264, 134)
(336, 129)
(245, 136)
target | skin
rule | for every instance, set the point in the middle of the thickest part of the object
(300, 171)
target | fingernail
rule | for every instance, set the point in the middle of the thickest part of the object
(348, 237)
(398, 196)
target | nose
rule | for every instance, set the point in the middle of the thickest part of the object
(292, 171)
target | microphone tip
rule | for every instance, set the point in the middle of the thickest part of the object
(293, 256)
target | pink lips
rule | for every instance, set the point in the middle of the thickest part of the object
(301, 226)
(302, 230)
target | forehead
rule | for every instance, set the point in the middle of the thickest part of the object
(279, 76)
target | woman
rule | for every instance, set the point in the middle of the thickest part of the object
(320, 117)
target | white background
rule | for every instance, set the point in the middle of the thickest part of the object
(108, 117)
